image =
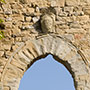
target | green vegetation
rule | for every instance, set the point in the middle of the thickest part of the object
(1, 34)
(1, 21)
(2, 1)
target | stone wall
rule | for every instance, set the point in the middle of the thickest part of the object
(36, 28)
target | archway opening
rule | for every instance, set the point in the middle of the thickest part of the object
(47, 74)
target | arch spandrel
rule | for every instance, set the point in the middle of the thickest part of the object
(63, 51)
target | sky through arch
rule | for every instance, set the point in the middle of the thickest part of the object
(47, 74)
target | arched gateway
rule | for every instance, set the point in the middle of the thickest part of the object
(62, 50)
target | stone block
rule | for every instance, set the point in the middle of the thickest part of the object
(16, 6)
(86, 10)
(24, 1)
(73, 31)
(68, 9)
(18, 17)
(8, 11)
(6, 88)
(8, 25)
(14, 47)
(28, 11)
(37, 9)
(22, 55)
(18, 39)
(40, 3)
(18, 64)
(69, 37)
(1, 53)
(82, 19)
(75, 25)
(28, 19)
(60, 3)
(16, 31)
(72, 2)
(84, 2)
(10, 1)
(7, 47)
(35, 19)
(8, 19)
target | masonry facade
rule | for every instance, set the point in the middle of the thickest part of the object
(35, 28)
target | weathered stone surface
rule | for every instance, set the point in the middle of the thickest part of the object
(29, 11)
(35, 28)
(18, 64)
(48, 23)
(22, 55)
(60, 3)
(75, 25)
(1, 86)
(28, 19)
(6, 88)
(35, 19)
(73, 30)
(1, 53)
(72, 2)
(86, 10)
(82, 19)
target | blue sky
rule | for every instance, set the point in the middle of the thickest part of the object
(47, 74)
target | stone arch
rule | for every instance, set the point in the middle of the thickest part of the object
(62, 50)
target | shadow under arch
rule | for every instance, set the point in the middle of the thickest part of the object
(34, 49)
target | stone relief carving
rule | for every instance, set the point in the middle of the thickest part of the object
(48, 23)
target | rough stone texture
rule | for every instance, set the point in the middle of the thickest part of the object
(36, 28)
(48, 23)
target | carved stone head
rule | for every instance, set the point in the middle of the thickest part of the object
(48, 23)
